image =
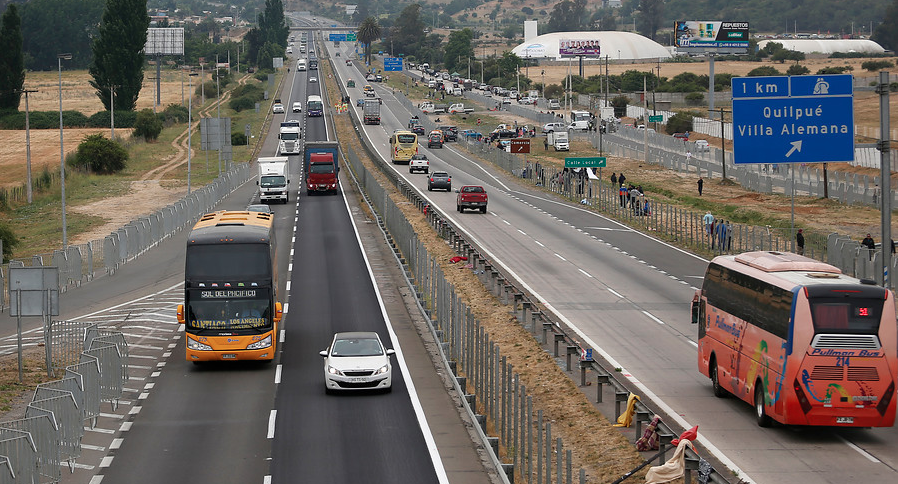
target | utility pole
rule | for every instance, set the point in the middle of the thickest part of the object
(723, 145)
(885, 175)
(27, 144)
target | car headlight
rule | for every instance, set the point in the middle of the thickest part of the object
(195, 345)
(263, 343)
(333, 371)
(382, 370)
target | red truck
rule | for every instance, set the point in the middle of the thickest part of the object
(471, 196)
(321, 166)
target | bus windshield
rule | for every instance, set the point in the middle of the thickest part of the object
(226, 310)
(224, 262)
(314, 106)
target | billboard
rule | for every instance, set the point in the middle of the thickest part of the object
(164, 41)
(715, 37)
(578, 47)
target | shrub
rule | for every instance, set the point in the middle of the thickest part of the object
(679, 123)
(102, 119)
(10, 242)
(253, 91)
(695, 99)
(797, 70)
(238, 139)
(834, 70)
(147, 125)
(100, 155)
(261, 76)
(242, 103)
(764, 71)
(620, 105)
(210, 89)
(877, 65)
(175, 113)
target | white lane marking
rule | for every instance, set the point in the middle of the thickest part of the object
(277, 374)
(859, 450)
(559, 256)
(435, 458)
(107, 461)
(266, 480)
(286, 307)
(93, 447)
(134, 410)
(94, 479)
(116, 443)
(506, 222)
(652, 317)
(612, 291)
(585, 273)
(539, 243)
(290, 267)
(271, 419)
(291, 252)
(522, 232)
(288, 285)
(281, 339)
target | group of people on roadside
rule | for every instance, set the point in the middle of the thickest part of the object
(720, 232)
(631, 195)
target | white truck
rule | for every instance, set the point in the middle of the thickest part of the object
(288, 138)
(559, 140)
(428, 107)
(273, 182)
(459, 108)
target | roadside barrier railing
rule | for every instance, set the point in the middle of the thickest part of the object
(32, 448)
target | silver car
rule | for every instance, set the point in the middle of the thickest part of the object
(439, 179)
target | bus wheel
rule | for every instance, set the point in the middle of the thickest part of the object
(719, 392)
(760, 411)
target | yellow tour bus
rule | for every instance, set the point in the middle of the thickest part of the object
(403, 144)
(230, 309)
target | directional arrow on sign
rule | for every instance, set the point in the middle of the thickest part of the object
(796, 146)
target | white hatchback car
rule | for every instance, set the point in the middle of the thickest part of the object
(357, 361)
(313, 79)
(277, 108)
(297, 107)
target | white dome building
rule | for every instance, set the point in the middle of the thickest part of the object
(616, 45)
(827, 46)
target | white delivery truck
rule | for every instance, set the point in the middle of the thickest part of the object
(288, 138)
(273, 182)
(559, 140)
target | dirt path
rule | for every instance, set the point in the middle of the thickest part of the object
(146, 194)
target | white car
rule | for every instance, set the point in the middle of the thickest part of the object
(313, 79)
(702, 145)
(277, 108)
(419, 162)
(357, 361)
(297, 107)
(579, 126)
(553, 126)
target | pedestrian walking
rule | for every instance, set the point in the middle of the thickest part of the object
(688, 156)
(546, 143)
(722, 235)
(708, 220)
(622, 193)
(799, 242)
(729, 236)
(621, 179)
(701, 184)
(869, 244)
(614, 178)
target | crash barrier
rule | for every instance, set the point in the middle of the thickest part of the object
(34, 447)
(82, 262)
(521, 441)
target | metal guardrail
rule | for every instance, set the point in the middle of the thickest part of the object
(32, 448)
(492, 391)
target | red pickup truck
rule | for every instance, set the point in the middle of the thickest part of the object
(471, 196)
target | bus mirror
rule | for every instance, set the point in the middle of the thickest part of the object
(695, 306)
(180, 313)
(278, 312)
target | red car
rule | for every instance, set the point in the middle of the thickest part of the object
(472, 197)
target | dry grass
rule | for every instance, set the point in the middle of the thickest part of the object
(596, 446)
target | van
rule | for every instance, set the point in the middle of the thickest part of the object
(554, 104)
(579, 126)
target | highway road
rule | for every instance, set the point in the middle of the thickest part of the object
(629, 295)
(272, 423)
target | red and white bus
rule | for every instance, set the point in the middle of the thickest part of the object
(802, 342)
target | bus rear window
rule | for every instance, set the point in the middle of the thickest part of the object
(406, 138)
(846, 316)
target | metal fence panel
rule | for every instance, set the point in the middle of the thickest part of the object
(43, 430)
(19, 448)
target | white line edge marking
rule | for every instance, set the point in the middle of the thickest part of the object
(859, 450)
(539, 243)
(653, 318)
(585, 273)
(277, 374)
(612, 291)
(559, 256)
(400, 360)
(266, 480)
(272, 417)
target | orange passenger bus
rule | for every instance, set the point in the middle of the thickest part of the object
(230, 309)
(802, 342)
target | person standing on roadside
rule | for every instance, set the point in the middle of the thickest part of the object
(708, 220)
(701, 184)
(614, 179)
(621, 179)
(799, 242)
(869, 244)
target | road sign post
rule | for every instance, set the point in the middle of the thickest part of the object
(520, 145)
(793, 119)
(392, 63)
(656, 119)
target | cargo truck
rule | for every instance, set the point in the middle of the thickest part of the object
(321, 165)
(288, 138)
(559, 140)
(273, 182)
(371, 111)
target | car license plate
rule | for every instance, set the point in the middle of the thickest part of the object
(358, 380)
(844, 420)
(229, 356)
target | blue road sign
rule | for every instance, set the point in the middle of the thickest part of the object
(392, 63)
(336, 37)
(793, 119)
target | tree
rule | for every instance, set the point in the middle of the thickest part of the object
(651, 13)
(369, 31)
(407, 31)
(680, 123)
(10, 242)
(876, 65)
(118, 53)
(12, 62)
(50, 27)
(269, 38)
(764, 71)
(100, 155)
(147, 125)
(886, 33)
(568, 15)
(459, 49)
(797, 70)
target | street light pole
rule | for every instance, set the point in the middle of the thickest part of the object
(189, 124)
(27, 144)
(65, 240)
(112, 108)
